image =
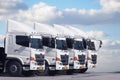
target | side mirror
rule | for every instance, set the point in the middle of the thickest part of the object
(100, 44)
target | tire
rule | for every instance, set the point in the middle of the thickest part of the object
(47, 71)
(83, 70)
(38, 73)
(1, 71)
(69, 72)
(27, 73)
(52, 73)
(14, 68)
(1, 67)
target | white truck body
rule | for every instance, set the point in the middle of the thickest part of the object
(24, 47)
(75, 55)
(91, 54)
(93, 46)
(54, 55)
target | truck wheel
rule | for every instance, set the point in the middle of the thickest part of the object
(1, 71)
(27, 73)
(47, 71)
(69, 72)
(83, 70)
(52, 73)
(1, 68)
(14, 68)
(38, 73)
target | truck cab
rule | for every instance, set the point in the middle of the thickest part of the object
(24, 53)
(78, 54)
(76, 48)
(62, 54)
(56, 54)
(24, 50)
(92, 47)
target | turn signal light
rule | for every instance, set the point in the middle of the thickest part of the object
(89, 58)
(32, 58)
(75, 58)
(57, 59)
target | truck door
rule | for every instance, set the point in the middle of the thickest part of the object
(22, 49)
(9, 44)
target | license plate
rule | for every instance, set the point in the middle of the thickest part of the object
(82, 66)
(94, 66)
(65, 67)
(40, 68)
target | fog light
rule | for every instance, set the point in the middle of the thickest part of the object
(94, 66)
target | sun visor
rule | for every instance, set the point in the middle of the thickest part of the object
(14, 26)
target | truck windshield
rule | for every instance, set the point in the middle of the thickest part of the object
(91, 45)
(36, 43)
(61, 44)
(78, 45)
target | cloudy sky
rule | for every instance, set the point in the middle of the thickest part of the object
(98, 18)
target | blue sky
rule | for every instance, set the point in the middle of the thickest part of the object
(112, 30)
(61, 4)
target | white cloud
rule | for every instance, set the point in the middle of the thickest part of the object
(110, 5)
(108, 57)
(109, 13)
(1, 38)
(96, 34)
(112, 45)
(108, 61)
(10, 7)
(41, 12)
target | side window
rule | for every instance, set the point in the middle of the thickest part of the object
(84, 43)
(52, 43)
(70, 42)
(46, 41)
(22, 40)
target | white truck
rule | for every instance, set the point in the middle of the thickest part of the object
(92, 47)
(56, 55)
(76, 47)
(24, 50)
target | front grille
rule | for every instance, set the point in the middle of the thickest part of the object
(81, 59)
(94, 59)
(64, 59)
(39, 59)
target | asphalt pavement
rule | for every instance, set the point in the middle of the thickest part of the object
(76, 76)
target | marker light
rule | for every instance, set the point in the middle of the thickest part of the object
(57, 59)
(32, 58)
(75, 58)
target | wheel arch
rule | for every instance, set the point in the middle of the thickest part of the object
(8, 60)
(47, 62)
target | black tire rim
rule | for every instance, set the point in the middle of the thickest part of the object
(13, 68)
